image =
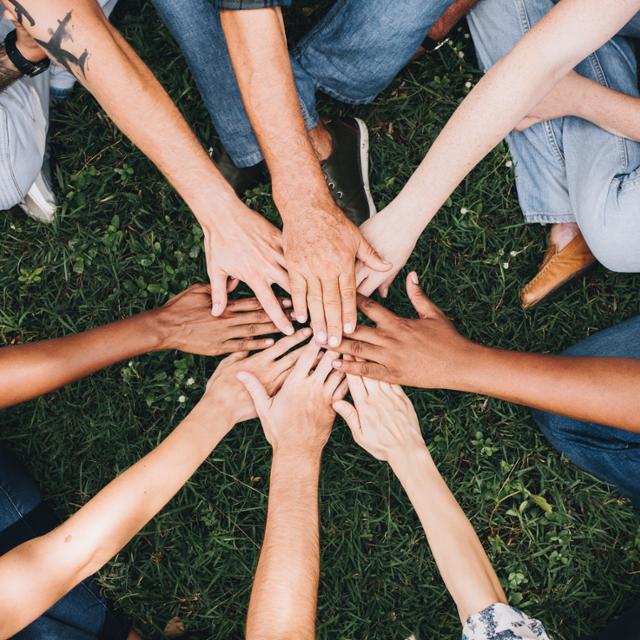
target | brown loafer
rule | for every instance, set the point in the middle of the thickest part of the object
(557, 268)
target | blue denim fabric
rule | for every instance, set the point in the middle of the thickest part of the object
(81, 614)
(610, 454)
(570, 169)
(352, 54)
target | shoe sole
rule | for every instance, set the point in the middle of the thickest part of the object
(364, 164)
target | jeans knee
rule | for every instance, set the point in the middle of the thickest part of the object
(615, 245)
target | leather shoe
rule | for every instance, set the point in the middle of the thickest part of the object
(557, 268)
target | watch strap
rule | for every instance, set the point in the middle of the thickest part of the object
(24, 66)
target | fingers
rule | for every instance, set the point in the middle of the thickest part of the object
(370, 257)
(232, 285)
(316, 310)
(348, 294)
(332, 310)
(357, 389)
(359, 349)
(367, 369)
(244, 304)
(299, 296)
(248, 344)
(349, 414)
(271, 305)
(256, 390)
(420, 302)
(306, 360)
(325, 366)
(218, 292)
(281, 278)
(285, 344)
(375, 311)
(341, 390)
(333, 382)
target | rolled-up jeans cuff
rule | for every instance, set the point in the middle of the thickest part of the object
(548, 217)
(247, 161)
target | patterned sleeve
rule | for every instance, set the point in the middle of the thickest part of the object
(502, 621)
(250, 4)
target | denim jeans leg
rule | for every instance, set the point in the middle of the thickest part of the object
(195, 25)
(80, 615)
(613, 455)
(603, 170)
(541, 177)
(358, 47)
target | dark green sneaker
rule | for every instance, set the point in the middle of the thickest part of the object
(346, 170)
(242, 179)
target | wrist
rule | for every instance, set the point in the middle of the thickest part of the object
(412, 463)
(32, 53)
(155, 328)
(300, 457)
(295, 198)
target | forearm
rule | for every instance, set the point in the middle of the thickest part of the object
(611, 110)
(285, 589)
(504, 96)
(598, 389)
(258, 48)
(31, 370)
(108, 67)
(461, 559)
(85, 542)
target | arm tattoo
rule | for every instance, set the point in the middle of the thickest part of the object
(21, 13)
(8, 73)
(72, 63)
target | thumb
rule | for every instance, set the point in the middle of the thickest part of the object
(420, 302)
(370, 257)
(256, 390)
(218, 293)
(349, 414)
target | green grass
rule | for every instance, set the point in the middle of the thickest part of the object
(123, 241)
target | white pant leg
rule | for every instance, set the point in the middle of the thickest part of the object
(24, 121)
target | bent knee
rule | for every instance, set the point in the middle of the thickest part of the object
(615, 246)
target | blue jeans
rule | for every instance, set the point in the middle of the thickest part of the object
(570, 170)
(351, 54)
(610, 454)
(83, 614)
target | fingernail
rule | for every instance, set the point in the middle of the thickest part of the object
(333, 341)
(321, 337)
(269, 341)
(241, 375)
(348, 328)
(337, 364)
(413, 276)
(288, 331)
(216, 309)
(286, 303)
(307, 331)
(302, 319)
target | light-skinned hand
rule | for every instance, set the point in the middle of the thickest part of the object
(298, 419)
(383, 421)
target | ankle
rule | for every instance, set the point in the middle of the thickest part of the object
(563, 233)
(321, 141)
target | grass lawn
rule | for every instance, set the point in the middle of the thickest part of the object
(566, 547)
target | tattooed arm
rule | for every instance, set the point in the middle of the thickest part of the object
(238, 242)
(27, 47)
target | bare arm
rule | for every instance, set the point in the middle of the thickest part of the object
(238, 242)
(430, 353)
(86, 541)
(297, 422)
(582, 97)
(184, 323)
(385, 424)
(506, 94)
(320, 243)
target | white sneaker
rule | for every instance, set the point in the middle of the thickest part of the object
(40, 203)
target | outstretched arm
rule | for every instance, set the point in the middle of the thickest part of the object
(184, 323)
(86, 541)
(385, 424)
(239, 243)
(297, 422)
(571, 31)
(320, 243)
(428, 352)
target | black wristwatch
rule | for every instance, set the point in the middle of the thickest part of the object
(24, 66)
